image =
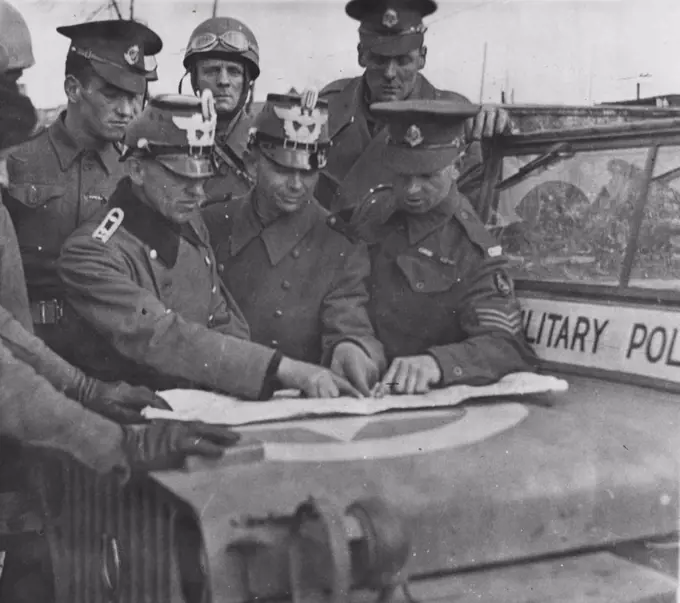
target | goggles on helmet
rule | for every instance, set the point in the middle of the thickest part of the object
(233, 41)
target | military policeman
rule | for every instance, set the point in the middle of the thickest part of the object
(442, 302)
(67, 173)
(392, 53)
(300, 284)
(144, 280)
(223, 56)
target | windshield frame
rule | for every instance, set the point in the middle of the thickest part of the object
(652, 134)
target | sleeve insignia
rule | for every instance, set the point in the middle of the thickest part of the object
(109, 225)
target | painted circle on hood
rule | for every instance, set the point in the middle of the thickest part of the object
(386, 435)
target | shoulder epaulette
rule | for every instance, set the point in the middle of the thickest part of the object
(476, 231)
(109, 225)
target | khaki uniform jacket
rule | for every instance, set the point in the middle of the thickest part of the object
(439, 286)
(154, 309)
(13, 296)
(32, 411)
(301, 285)
(54, 187)
(355, 162)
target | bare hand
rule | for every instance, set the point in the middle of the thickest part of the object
(410, 375)
(350, 361)
(314, 381)
(490, 121)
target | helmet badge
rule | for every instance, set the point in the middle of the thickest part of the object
(413, 136)
(390, 18)
(131, 55)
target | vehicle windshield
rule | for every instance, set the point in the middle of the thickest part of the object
(572, 220)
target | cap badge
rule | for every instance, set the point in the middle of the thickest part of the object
(200, 127)
(390, 18)
(302, 126)
(413, 136)
(132, 55)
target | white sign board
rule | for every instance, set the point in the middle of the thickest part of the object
(615, 337)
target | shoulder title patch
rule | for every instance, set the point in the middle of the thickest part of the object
(109, 225)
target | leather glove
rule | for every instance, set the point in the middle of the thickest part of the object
(410, 375)
(164, 445)
(352, 362)
(117, 401)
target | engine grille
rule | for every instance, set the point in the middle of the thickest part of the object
(111, 544)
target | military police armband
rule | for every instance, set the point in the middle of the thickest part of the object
(109, 225)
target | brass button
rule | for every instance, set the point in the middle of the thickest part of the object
(275, 343)
(420, 285)
(221, 267)
(296, 253)
(457, 371)
(214, 289)
(211, 318)
(278, 314)
(153, 254)
(207, 261)
(285, 285)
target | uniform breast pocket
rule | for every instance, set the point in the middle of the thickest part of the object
(34, 196)
(425, 276)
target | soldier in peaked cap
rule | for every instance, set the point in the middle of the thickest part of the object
(301, 285)
(67, 173)
(223, 56)
(442, 302)
(392, 53)
(143, 279)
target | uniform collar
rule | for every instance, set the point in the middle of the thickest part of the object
(280, 237)
(150, 227)
(420, 226)
(68, 150)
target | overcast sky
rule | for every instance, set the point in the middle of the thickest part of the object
(569, 51)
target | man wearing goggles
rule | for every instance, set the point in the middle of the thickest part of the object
(392, 53)
(144, 280)
(223, 56)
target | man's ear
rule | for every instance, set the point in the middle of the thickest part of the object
(73, 89)
(361, 56)
(422, 56)
(135, 168)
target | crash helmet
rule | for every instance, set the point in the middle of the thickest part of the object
(224, 37)
(15, 39)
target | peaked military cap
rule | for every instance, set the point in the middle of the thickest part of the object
(292, 130)
(176, 130)
(424, 136)
(117, 50)
(391, 27)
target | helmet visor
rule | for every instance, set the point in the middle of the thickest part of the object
(232, 41)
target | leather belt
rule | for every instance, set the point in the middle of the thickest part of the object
(47, 311)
